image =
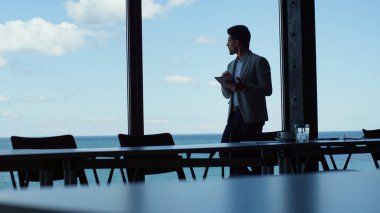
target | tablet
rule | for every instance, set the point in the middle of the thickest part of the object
(223, 80)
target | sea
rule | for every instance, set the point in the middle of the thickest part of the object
(358, 161)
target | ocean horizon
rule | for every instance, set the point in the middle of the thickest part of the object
(358, 161)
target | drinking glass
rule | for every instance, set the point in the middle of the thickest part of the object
(302, 132)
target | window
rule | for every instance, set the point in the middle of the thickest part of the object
(62, 67)
(184, 47)
(348, 65)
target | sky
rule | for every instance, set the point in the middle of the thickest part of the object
(63, 64)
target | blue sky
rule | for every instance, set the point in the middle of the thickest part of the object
(63, 69)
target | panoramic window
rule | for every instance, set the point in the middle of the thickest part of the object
(348, 65)
(184, 48)
(62, 68)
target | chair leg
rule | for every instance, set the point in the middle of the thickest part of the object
(193, 173)
(375, 161)
(333, 162)
(347, 161)
(96, 177)
(82, 177)
(181, 174)
(111, 173)
(135, 176)
(95, 174)
(205, 173)
(191, 168)
(13, 180)
(110, 176)
(130, 175)
(206, 169)
(123, 175)
(323, 161)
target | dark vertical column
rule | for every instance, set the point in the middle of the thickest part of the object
(298, 64)
(284, 64)
(309, 66)
(298, 68)
(134, 68)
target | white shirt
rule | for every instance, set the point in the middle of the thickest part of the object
(238, 69)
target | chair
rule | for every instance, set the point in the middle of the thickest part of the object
(148, 140)
(239, 136)
(55, 142)
(373, 134)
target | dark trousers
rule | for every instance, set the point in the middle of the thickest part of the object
(236, 123)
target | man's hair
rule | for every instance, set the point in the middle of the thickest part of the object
(240, 33)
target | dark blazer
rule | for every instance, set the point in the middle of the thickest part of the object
(256, 76)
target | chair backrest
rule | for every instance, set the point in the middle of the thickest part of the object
(375, 133)
(145, 140)
(237, 136)
(371, 133)
(149, 140)
(54, 142)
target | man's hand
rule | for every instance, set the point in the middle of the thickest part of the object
(228, 84)
(237, 86)
(226, 73)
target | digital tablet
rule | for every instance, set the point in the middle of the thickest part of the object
(223, 80)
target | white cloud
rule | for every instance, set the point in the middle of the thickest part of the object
(156, 121)
(29, 99)
(178, 79)
(3, 61)
(39, 99)
(213, 83)
(151, 9)
(108, 12)
(5, 114)
(96, 12)
(4, 99)
(204, 39)
(40, 36)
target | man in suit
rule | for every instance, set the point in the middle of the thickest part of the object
(250, 83)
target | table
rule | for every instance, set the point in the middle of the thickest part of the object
(331, 192)
(83, 157)
(327, 147)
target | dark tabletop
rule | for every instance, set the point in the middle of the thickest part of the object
(331, 192)
(196, 148)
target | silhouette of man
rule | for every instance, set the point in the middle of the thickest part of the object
(250, 83)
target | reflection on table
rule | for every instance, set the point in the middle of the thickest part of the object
(317, 193)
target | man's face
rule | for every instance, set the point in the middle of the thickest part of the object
(232, 45)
